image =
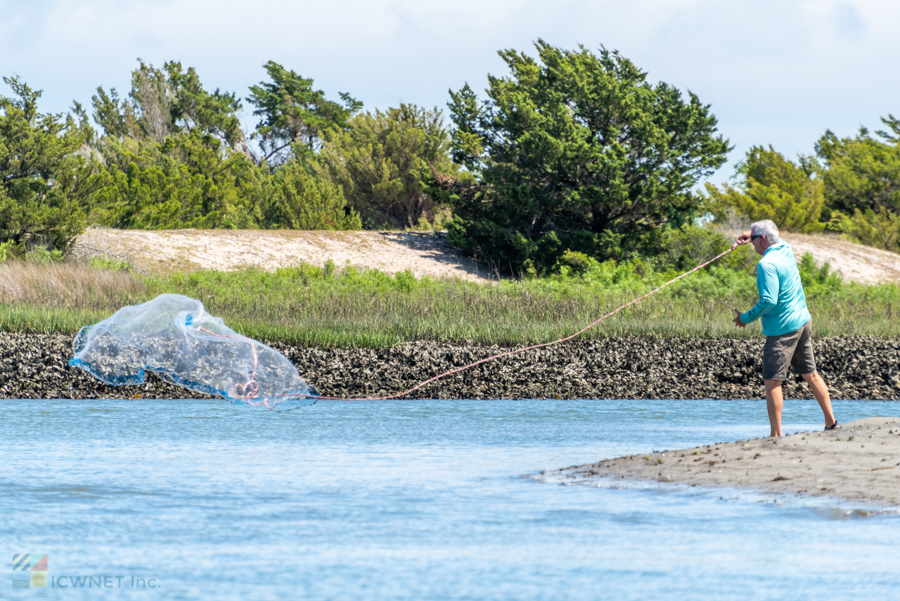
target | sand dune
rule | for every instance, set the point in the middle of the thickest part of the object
(423, 253)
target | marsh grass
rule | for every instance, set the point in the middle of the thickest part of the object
(350, 308)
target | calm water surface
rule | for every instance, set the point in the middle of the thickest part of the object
(416, 501)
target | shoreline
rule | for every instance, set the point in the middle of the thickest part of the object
(860, 462)
(855, 368)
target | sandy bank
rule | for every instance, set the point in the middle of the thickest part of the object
(166, 251)
(859, 462)
(423, 253)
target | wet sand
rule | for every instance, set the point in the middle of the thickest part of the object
(860, 462)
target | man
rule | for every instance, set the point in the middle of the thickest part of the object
(786, 322)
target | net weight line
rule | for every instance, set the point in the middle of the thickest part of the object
(494, 357)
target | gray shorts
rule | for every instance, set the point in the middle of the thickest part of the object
(793, 349)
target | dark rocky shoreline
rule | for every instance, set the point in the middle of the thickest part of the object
(36, 366)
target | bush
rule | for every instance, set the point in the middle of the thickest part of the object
(378, 162)
(300, 200)
(879, 230)
(774, 188)
(180, 183)
(818, 281)
(689, 246)
(43, 256)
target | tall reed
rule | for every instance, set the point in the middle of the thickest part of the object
(326, 307)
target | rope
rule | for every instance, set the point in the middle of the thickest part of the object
(498, 356)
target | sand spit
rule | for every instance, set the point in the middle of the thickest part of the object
(860, 462)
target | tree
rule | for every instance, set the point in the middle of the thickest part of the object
(379, 159)
(773, 187)
(862, 172)
(297, 199)
(43, 179)
(181, 183)
(212, 115)
(577, 151)
(879, 229)
(294, 116)
(171, 101)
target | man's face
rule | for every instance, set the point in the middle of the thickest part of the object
(759, 244)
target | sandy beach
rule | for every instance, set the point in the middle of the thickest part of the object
(860, 462)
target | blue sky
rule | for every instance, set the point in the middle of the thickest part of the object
(776, 72)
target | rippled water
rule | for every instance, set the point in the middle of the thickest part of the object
(413, 500)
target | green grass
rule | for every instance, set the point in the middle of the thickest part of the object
(348, 308)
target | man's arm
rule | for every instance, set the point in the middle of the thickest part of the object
(768, 285)
(744, 238)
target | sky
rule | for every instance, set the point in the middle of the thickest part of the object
(777, 72)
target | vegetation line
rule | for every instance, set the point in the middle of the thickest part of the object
(327, 307)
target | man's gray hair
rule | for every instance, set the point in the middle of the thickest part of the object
(765, 228)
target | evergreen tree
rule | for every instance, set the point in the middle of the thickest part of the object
(577, 151)
(862, 172)
(773, 187)
(178, 184)
(43, 178)
(379, 160)
(293, 115)
(299, 200)
(170, 101)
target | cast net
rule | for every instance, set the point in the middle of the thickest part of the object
(174, 337)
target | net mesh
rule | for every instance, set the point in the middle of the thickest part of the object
(174, 337)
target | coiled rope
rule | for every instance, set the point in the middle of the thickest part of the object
(290, 396)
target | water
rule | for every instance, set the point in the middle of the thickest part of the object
(414, 501)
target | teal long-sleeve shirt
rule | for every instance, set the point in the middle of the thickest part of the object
(782, 302)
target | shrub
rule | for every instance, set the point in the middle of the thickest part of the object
(772, 187)
(877, 229)
(302, 201)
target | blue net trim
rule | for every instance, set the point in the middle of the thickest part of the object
(164, 373)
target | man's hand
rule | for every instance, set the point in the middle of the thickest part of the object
(737, 319)
(744, 238)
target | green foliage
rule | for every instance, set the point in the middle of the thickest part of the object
(379, 161)
(179, 183)
(7, 250)
(880, 230)
(294, 116)
(43, 180)
(689, 246)
(573, 262)
(862, 172)
(169, 101)
(819, 282)
(332, 307)
(176, 156)
(110, 263)
(576, 152)
(773, 187)
(43, 256)
(299, 200)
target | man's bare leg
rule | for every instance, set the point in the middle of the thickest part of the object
(774, 404)
(820, 391)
